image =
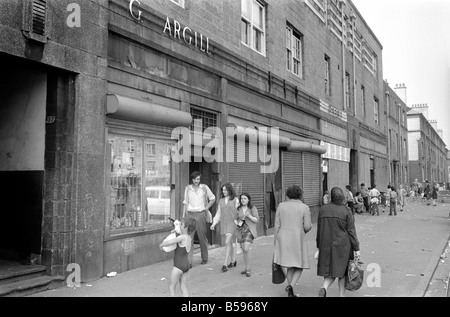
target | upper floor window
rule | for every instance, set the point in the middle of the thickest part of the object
(376, 111)
(130, 145)
(294, 51)
(253, 25)
(363, 100)
(179, 2)
(327, 76)
(205, 118)
(347, 90)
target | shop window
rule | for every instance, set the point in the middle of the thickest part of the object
(150, 149)
(140, 188)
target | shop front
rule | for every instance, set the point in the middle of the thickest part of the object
(140, 179)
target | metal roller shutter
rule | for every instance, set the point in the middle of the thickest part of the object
(292, 169)
(248, 175)
(311, 176)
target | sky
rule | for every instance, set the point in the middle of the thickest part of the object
(415, 35)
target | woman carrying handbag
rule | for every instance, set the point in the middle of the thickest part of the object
(292, 222)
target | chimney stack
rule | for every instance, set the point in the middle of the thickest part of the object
(433, 124)
(421, 108)
(400, 90)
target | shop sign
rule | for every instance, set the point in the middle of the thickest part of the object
(174, 29)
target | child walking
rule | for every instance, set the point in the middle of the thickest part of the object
(181, 264)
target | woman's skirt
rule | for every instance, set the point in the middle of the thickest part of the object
(245, 234)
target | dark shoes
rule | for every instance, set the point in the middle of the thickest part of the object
(224, 268)
(232, 264)
(204, 261)
(322, 292)
(247, 273)
(290, 291)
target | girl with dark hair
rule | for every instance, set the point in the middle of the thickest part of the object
(226, 215)
(292, 222)
(246, 227)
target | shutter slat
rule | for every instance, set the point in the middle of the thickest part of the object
(249, 175)
(311, 165)
(292, 169)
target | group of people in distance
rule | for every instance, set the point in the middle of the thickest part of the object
(369, 199)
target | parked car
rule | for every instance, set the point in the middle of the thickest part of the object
(158, 202)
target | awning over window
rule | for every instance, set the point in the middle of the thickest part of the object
(130, 109)
(303, 146)
(251, 134)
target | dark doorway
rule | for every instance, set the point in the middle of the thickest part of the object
(372, 178)
(353, 169)
(208, 178)
(22, 149)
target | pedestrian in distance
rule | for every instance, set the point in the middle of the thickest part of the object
(365, 195)
(434, 193)
(359, 203)
(402, 194)
(336, 241)
(246, 221)
(388, 195)
(393, 201)
(374, 195)
(427, 192)
(292, 223)
(198, 198)
(226, 215)
(349, 198)
(181, 263)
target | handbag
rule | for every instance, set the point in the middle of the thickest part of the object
(355, 275)
(278, 275)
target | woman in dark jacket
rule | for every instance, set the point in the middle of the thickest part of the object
(336, 240)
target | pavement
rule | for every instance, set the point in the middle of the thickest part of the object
(404, 256)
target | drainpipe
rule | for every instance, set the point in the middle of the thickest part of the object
(401, 141)
(388, 137)
(343, 55)
(353, 22)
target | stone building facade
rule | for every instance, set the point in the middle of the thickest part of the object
(427, 150)
(397, 132)
(121, 83)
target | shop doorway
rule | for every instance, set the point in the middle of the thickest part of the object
(208, 178)
(22, 151)
(353, 170)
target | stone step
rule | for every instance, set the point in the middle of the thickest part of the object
(31, 286)
(14, 273)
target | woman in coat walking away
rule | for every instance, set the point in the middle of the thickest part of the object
(292, 222)
(336, 240)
